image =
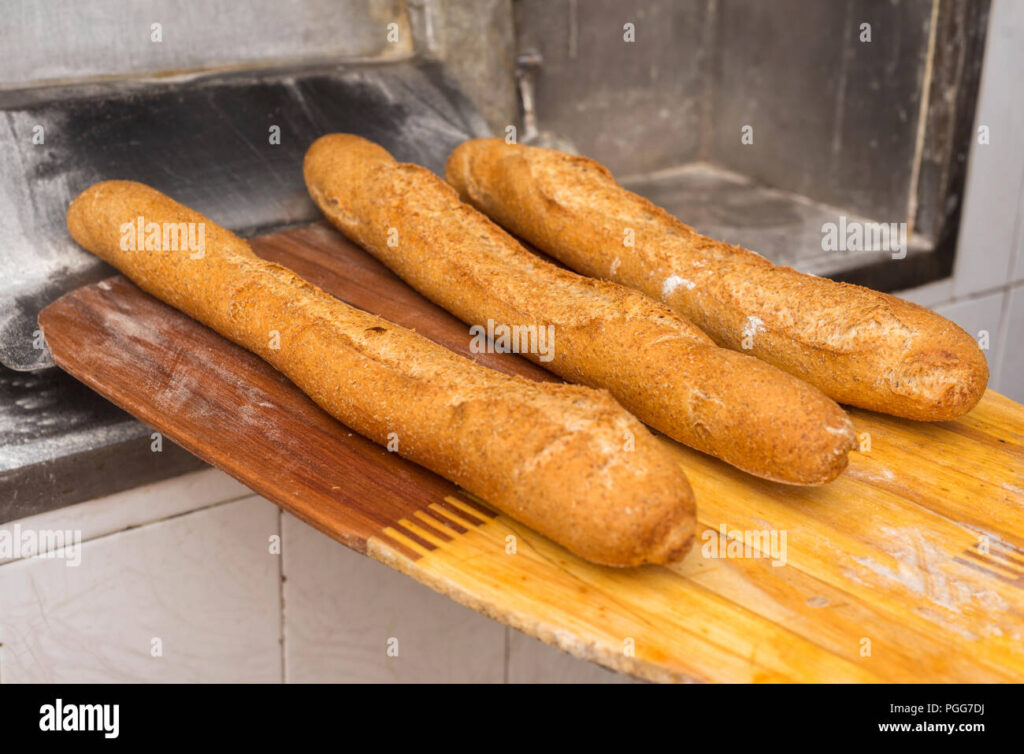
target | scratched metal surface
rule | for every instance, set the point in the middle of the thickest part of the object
(203, 140)
(784, 227)
(61, 443)
(65, 40)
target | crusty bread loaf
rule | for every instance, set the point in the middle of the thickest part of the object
(553, 456)
(860, 347)
(656, 363)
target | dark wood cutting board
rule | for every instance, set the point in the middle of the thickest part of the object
(910, 567)
(236, 412)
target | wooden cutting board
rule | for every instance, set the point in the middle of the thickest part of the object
(910, 567)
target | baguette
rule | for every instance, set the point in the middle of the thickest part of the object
(549, 455)
(655, 362)
(859, 346)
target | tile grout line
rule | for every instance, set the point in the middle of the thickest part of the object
(968, 297)
(505, 670)
(133, 527)
(280, 587)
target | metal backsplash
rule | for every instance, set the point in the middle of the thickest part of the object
(61, 41)
(184, 96)
(209, 143)
(853, 116)
(636, 107)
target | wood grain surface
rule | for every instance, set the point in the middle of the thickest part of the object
(910, 567)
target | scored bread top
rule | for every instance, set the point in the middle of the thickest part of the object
(549, 455)
(654, 361)
(861, 347)
(367, 193)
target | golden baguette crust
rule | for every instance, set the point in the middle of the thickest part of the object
(859, 346)
(548, 455)
(656, 363)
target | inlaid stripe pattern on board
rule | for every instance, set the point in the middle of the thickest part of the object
(997, 559)
(436, 525)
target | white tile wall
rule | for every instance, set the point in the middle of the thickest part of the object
(1011, 370)
(533, 661)
(342, 609)
(1017, 271)
(978, 316)
(990, 233)
(204, 584)
(142, 505)
(189, 561)
(930, 295)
